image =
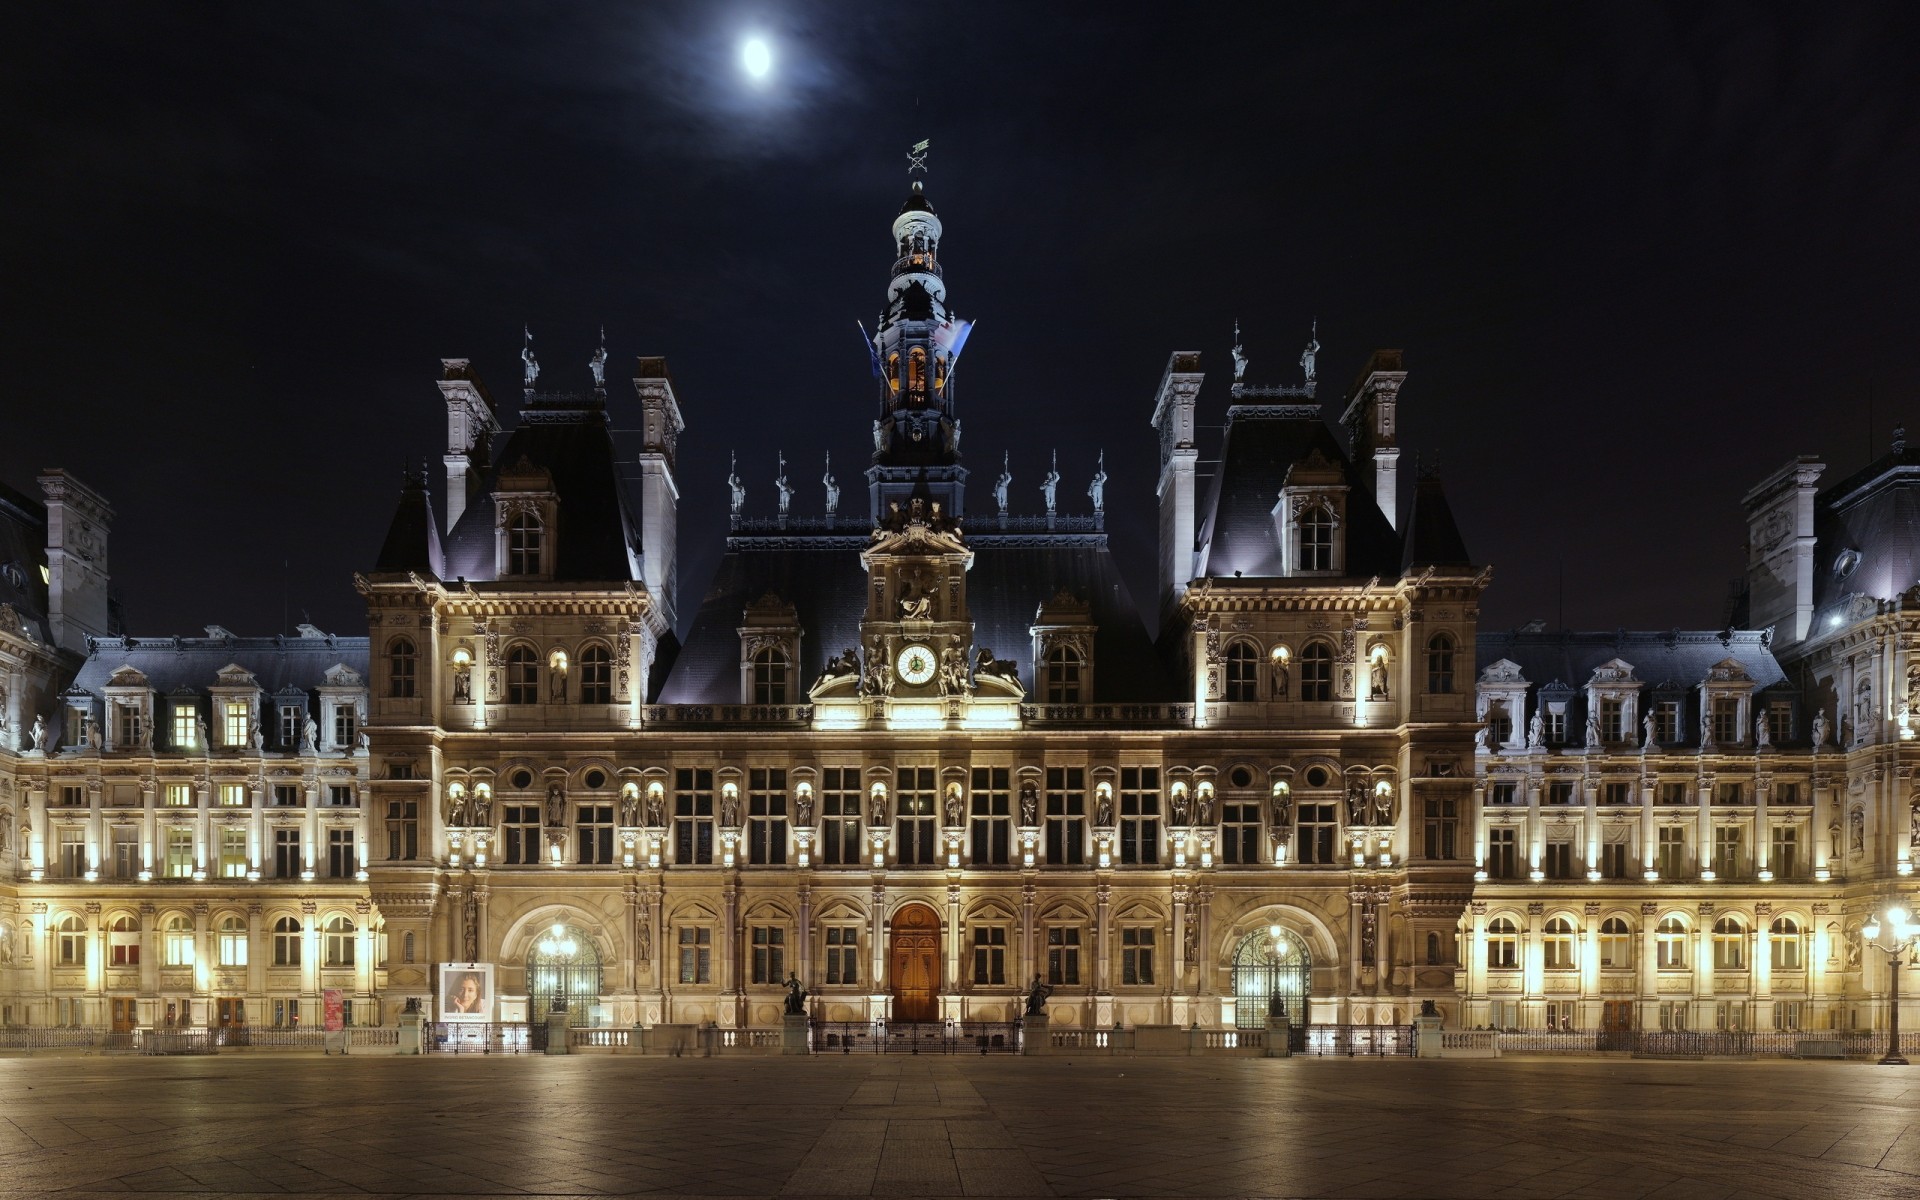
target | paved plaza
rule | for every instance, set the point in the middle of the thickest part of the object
(478, 1126)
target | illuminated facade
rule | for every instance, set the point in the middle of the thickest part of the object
(921, 753)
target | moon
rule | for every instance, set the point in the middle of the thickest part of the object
(757, 57)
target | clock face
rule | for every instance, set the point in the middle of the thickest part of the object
(915, 665)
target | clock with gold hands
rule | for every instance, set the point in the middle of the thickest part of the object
(915, 665)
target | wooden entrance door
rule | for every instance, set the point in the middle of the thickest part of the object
(124, 1010)
(232, 1012)
(913, 964)
(1616, 1015)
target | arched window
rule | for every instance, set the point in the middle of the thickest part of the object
(1670, 944)
(286, 942)
(1063, 674)
(1316, 539)
(230, 941)
(523, 543)
(339, 941)
(1243, 672)
(1503, 943)
(1729, 945)
(1616, 944)
(1557, 942)
(917, 376)
(70, 942)
(1316, 671)
(406, 947)
(596, 676)
(400, 669)
(177, 941)
(123, 941)
(1433, 949)
(523, 675)
(769, 676)
(1440, 649)
(1785, 935)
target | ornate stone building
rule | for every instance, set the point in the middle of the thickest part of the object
(921, 753)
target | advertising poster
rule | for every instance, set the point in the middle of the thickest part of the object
(333, 1010)
(466, 992)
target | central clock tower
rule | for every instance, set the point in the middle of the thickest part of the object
(917, 638)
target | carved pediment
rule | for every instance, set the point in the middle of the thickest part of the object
(235, 675)
(1614, 670)
(342, 675)
(127, 677)
(1503, 671)
(1728, 670)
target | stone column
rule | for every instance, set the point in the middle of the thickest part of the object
(1029, 934)
(1703, 828)
(729, 950)
(1353, 947)
(1762, 835)
(1533, 966)
(806, 936)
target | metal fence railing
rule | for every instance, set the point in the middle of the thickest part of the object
(915, 1037)
(461, 1037)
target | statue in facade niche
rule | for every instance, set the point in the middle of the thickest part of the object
(1204, 809)
(39, 732)
(656, 810)
(956, 807)
(1282, 809)
(1646, 731)
(1913, 824)
(1377, 681)
(1762, 736)
(879, 438)
(953, 439)
(1820, 729)
(643, 939)
(556, 806)
(1593, 732)
(1029, 803)
(630, 809)
(1537, 730)
(206, 738)
(480, 810)
(729, 809)
(1356, 804)
(877, 810)
(1178, 808)
(309, 734)
(1103, 811)
(463, 685)
(803, 809)
(1857, 832)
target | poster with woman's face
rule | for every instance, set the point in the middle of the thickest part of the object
(466, 991)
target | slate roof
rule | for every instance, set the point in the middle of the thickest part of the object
(23, 552)
(1673, 664)
(598, 535)
(1236, 530)
(413, 539)
(822, 578)
(1433, 537)
(1876, 512)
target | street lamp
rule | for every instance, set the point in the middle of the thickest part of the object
(559, 948)
(1902, 935)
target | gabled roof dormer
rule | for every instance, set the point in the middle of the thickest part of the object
(526, 519)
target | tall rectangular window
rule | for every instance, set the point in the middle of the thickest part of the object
(286, 795)
(1140, 815)
(1556, 724)
(520, 829)
(403, 830)
(73, 853)
(1240, 832)
(1503, 857)
(293, 719)
(1613, 720)
(186, 727)
(1442, 827)
(179, 795)
(769, 954)
(1783, 858)
(992, 804)
(843, 954)
(767, 816)
(1136, 954)
(233, 852)
(1503, 793)
(1063, 955)
(340, 795)
(1727, 859)
(1666, 721)
(1558, 860)
(130, 724)
(1613, 860)
(126, 852)
(237, 723)
(989, 954)
(696, 954)
(594, 823)
(840, 816)
(233, 795)
(1726, 720)
(1670, 852)
(1779, 720)
(1616, 795)
(180, 860)
(1066, 816)
(287, 862)
(693, 816)
(1315, 829)
(341, 859)
(1560, 793)
(346, 726)
(1673, 794)
(916, 792)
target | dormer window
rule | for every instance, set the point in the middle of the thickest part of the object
(1063, 671)
(1726, 719)
(524, 537)
(131, 723)
(770, 673)
(235, 722)
(1316, 540)
(346, 725)
(186, 723)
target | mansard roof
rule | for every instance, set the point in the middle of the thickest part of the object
(821, 576)
(1260, 445)
(1433, 538)
(1873, 519)
(413, 539)
(23, 552)
(598, 535)
(1678, 659)
(176, 665)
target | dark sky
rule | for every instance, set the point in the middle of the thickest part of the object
(1637, 255)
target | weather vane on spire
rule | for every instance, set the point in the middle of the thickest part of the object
(917, 157)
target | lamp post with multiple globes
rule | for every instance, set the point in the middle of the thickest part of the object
(1900, 932)
(558, 947)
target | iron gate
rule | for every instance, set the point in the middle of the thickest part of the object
(1268, 963)
(570, 972)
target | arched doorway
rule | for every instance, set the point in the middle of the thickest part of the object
(1269, 961)
(913, 964)
(563, 962)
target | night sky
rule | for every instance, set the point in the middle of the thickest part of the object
(1637, 256)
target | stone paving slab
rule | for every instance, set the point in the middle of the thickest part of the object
(488, 1126)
